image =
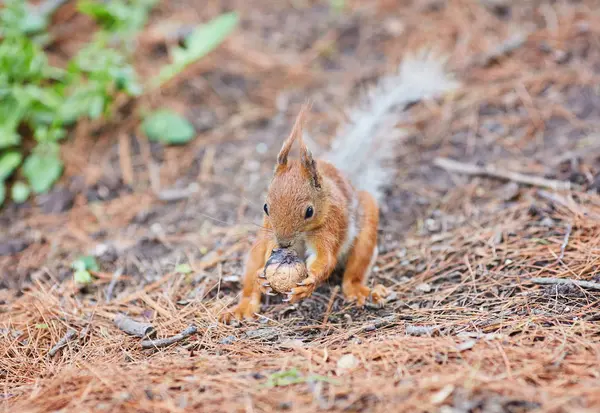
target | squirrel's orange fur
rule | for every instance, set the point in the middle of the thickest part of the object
(342, 231)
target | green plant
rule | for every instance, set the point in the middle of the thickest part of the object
(199, 43)
(168, 127)
(82, 266)
(45, 100)
(293, 376)
(41, 101)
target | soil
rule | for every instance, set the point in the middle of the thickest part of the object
(465, 328)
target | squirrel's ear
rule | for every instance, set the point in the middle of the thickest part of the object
(309, 165)
(296, 133)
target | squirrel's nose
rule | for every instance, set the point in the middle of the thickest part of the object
(284, 243)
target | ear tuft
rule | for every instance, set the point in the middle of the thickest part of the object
(296, 133)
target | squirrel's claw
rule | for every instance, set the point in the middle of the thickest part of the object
(288, 298)
(303, 290)
(270, 292)
(262, 275)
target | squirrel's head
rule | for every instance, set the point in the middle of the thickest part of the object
(296, 198)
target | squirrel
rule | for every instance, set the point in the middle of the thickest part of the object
(328, 209)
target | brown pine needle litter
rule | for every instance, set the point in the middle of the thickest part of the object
(492, 266)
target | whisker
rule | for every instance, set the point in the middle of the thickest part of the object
(227, 223)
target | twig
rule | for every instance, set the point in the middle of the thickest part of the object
(508, 46)
(164, 342)
(125, 159)
(70, 335)
(557, 199)
(113, 283)
(565, 242)
(421, 330)
(590, 285)
(382, 322)
(568, 203)
(177, 194)
(134, 328)
(330, 304)
(491, 171)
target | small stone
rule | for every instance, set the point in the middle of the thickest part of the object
(12, 246)
(346, 363)
(424, 287)
(289, 344)
(509, 191)
(57, 201)
(228, 340)
(466, 345)
(262, 148)
(394, 26)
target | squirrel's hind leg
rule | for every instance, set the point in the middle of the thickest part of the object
(363, 253)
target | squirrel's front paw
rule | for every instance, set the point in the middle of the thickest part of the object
(246, 309)
(356, 292)
(379, 294)
(303, 290)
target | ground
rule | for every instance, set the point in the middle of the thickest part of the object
(468, 327)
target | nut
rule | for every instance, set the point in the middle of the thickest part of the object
(284, 270)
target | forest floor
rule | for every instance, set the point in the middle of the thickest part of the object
(468, 328)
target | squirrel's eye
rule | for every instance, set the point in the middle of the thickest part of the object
(309, 212)
(266, 208)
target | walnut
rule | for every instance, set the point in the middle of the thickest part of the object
(284, 270)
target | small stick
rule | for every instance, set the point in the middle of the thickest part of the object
(508, 46)
(113, 283)
(134, 328)
(557, 199)
(420, 330)
(565, 242)
(70, 335)
(177, 194)
(590, 285)
(382, 322)
(164, 342)
(493, 172)
(330, 304)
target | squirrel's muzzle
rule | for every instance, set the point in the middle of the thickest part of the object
(284, 242)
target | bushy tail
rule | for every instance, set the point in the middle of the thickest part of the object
(364, 146)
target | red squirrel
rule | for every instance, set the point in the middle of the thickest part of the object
(327, 209)
(313, 208)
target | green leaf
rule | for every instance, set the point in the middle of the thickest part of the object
(168, 127)
(2, 193)
(9, 161)
(41, 325)
(293, 376)
(11, 115)
(86, 263)
(203, 40)
(183, 269)
(42, 170)
(20, 192)
(83, 277)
